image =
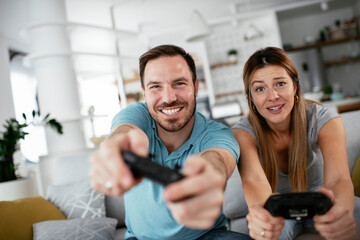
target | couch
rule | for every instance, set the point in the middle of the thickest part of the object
(235, 209)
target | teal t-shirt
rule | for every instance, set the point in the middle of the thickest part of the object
(147, 216)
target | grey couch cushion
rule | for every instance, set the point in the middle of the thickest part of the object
(80, 229)
(234, 205)
(115, 209)
(77, 200)
(351, 122)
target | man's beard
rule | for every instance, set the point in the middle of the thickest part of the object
(171, 125)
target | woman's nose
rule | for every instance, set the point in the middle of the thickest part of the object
(273, 94)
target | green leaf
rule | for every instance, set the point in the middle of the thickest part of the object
(55, 125)
(46, 117)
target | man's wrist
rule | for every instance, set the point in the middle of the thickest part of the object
(121, 129)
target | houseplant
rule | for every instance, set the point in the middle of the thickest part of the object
(232, 54)
(9, 141)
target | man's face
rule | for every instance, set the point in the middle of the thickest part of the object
(169, 92)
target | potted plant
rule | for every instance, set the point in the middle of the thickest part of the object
(9, 141)
(232, 55)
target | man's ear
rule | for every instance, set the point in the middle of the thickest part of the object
(196, 86)
(143, 92)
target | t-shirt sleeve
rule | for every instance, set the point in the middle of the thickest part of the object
(323, 116)
(220, 136)
(244, 124)
(136, 114)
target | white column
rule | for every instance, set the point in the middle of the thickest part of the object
(57, 85)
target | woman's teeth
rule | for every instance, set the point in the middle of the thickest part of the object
(275, 108)
(171, 111)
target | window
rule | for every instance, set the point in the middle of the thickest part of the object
(24, 91)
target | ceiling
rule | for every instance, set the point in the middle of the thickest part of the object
(160, 16)
(155, 17)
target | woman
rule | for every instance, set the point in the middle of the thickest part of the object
(289, 144)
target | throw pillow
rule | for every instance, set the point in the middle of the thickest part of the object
(76, 229)
(355, 177)
(77, 200)
(115, 209)
(18, 216)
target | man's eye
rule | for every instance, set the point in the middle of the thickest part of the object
(154, 86)
(180, 83)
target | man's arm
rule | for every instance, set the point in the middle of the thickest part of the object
(107, 164)
(221, 159)
(196, 201)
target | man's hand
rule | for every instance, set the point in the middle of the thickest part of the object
(196, 201)
(109, 173)
(337, 223)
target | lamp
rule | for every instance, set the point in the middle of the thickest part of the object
(198, 28)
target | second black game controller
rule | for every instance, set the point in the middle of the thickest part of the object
(298, 205)
(145, 167)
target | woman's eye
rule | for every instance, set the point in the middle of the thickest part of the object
(280, 84)
(259, 89)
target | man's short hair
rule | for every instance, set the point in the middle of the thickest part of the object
(165, 50)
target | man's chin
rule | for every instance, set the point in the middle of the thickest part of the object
(172, 127)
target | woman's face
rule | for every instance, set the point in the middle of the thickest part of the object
(272, 91)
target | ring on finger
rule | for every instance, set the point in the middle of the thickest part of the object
(108, 185)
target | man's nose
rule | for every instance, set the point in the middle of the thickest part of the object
(168, 95)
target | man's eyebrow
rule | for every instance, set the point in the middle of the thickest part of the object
(152, 82)
(180, 79)
(175, 80)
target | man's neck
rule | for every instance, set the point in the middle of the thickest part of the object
(174, 140)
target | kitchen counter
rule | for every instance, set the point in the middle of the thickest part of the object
(343, 105)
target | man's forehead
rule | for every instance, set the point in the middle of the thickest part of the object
(166, 68)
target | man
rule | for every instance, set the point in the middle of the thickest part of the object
(168, 127)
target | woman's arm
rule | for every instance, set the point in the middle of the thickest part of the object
(255, 184)
(257, 189)
(338, 222)
(332, 142)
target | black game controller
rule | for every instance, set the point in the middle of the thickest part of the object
(298, 205)
(145, 167)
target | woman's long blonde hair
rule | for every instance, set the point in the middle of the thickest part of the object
(298, 132)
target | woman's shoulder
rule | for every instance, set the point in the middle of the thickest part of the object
(244, 124)
(318, 112)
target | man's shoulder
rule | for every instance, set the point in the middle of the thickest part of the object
(210, 124)
(135, 113)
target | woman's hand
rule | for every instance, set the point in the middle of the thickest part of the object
(262, 224)
(338, 222)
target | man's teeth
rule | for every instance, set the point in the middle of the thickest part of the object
(171, 111)
(275, 108)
